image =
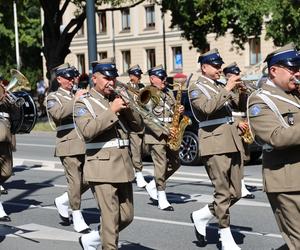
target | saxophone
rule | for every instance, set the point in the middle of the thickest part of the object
(178, 125)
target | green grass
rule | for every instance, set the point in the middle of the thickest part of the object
(42, 126)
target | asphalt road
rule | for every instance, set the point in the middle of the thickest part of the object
(39, 178)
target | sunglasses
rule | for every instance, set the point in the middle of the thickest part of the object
(290, 69)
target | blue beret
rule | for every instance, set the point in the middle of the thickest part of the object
(232, 69)
(212, 57)
(158, 71)
(287, 56)
(65, 72)
(135, 70)
(107, 69)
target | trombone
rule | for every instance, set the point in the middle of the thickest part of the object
(143, 109)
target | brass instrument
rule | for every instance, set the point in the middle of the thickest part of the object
(147, 97)
(178, 125)
(146, 114)
(247, 136)
(17, 83)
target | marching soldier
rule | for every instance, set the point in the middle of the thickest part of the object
(212, 104)
(166, 161)
(104, 120)
(6, 161)
(69, 147)
(233, 69)
(274, 119)
(136, 139)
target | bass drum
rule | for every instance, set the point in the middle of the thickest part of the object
(24, 119)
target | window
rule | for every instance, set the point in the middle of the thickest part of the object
(177, 58)
(125, 19)
(255, 50)
(102, 22)
(150, 58)
(150, 16)
(102, 55)
(126, 60)
(81, 63)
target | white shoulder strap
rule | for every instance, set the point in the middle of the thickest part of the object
(281, 98)
(89, 107)
(64, 96)
(211, 88)
(273, 107)
(203, 90)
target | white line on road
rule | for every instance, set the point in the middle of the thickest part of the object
(35, 145)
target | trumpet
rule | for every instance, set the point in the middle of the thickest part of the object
(146, 114)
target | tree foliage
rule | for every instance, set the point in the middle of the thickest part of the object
(242, 19)
(29, 27)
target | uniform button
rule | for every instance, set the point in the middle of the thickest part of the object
(111, 121)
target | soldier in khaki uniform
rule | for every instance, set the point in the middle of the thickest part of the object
(136, 139)
(104, 120)
(166, 161)
(69, 147)
(212, 104)
(274, 119)
(5, 147)
(233, 69)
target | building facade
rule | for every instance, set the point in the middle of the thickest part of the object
(142, 35)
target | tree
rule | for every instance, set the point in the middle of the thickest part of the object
(242, 19)
(56, 40)
(29, 27)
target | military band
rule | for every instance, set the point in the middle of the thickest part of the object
(100, 135)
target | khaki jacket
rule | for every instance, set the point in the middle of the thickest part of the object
(99, 124)
(5, 126)
(221, 138)
(60, 110)
(164, 111)
(281, 166)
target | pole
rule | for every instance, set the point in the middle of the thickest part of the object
(16, 35)
(164, 41)
(91, 32)
(113, 33)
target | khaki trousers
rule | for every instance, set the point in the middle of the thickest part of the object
(6, 162)
(166, 162)
(136, 147)
(286, 209)
(115, 200)
(73, 166)
(224, 172)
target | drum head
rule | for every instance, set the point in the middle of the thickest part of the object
(24, 119)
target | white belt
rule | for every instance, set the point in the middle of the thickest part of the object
(110, 144)
(227, 119)
(166, 119)
(238, 114)
(4, 114)
(64, 127)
